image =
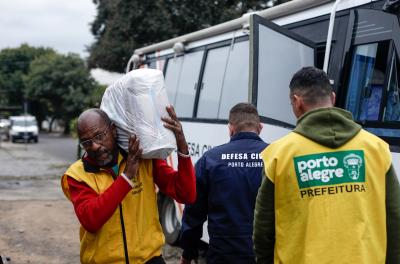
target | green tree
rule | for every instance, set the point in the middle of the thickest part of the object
(14, 64)
(121, 26)
(62, 85)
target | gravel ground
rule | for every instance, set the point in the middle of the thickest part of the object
(37, 223)
(25, 161)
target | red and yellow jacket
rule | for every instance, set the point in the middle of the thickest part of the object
(120, 221)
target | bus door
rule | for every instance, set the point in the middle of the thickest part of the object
(275, 55)
(370, 88)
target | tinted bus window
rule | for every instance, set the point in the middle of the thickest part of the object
(152, 65)
(187, 83)
(225, 80)
(172, 74)
(236, 81)
(212, 82)
(367, 79)
(392, 110)
(157, 64)
(187, 72)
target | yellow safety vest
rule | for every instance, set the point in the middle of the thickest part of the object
(329, 203)
(143, 231)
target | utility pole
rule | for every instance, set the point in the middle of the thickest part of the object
(26, 139)
(1, 133)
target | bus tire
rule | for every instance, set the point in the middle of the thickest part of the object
(169, 220)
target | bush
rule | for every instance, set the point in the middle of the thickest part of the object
(74, 125)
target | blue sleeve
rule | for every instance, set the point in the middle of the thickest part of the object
(195, 215)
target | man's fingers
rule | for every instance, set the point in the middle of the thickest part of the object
(134, 150)
(167, 120)
(132, 140)
(171, 124)
(171, 127)
(139, 153)
(171, 112)
(170, 120)
(135, 147)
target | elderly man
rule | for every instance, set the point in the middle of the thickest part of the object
(330, 194)
(114, 193)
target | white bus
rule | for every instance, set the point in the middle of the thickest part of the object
(253, 58)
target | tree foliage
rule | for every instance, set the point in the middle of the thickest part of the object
(60, 83)
(121, 26)
(14, 64)
(54, 86)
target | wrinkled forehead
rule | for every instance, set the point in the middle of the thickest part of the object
(90, 125)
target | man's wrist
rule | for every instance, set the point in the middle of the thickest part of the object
(183, 149)
(181, 143)
(180, 154)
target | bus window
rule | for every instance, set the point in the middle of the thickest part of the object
(236, 79)
(225, 80)
(157, 64)
(188, 75)
(212, 82)
(367, 79)
(172, 74)
(152, 65)
(392, 111)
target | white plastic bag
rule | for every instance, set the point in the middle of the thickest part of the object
(136, 103)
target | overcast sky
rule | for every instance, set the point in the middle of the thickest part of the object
(59, 24)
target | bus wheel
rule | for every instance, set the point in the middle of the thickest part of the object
(169, 221)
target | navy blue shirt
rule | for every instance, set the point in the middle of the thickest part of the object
(228, 178)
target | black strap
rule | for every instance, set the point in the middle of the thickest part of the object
(121, 216)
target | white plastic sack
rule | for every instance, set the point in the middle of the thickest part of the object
(136, 103)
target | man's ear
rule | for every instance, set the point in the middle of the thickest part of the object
(333, 98)
(296, 100)
(232, 130)
(114, 129)
(297, 105)
(259, 128)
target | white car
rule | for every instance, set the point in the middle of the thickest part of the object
(24, 128)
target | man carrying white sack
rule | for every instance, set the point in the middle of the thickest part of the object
(113, 192)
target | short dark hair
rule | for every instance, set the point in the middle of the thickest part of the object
(312, 84)
(243, 116)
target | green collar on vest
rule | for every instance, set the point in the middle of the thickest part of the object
(331, 127)
(90, 165)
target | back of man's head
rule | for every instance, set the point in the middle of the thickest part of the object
(244, 117)
(312, 85)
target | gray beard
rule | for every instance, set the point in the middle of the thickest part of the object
(103, 163)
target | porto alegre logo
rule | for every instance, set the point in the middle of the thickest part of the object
(330, 168)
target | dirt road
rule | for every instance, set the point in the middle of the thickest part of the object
(45, 232)
(37, 224)
(39, 232)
